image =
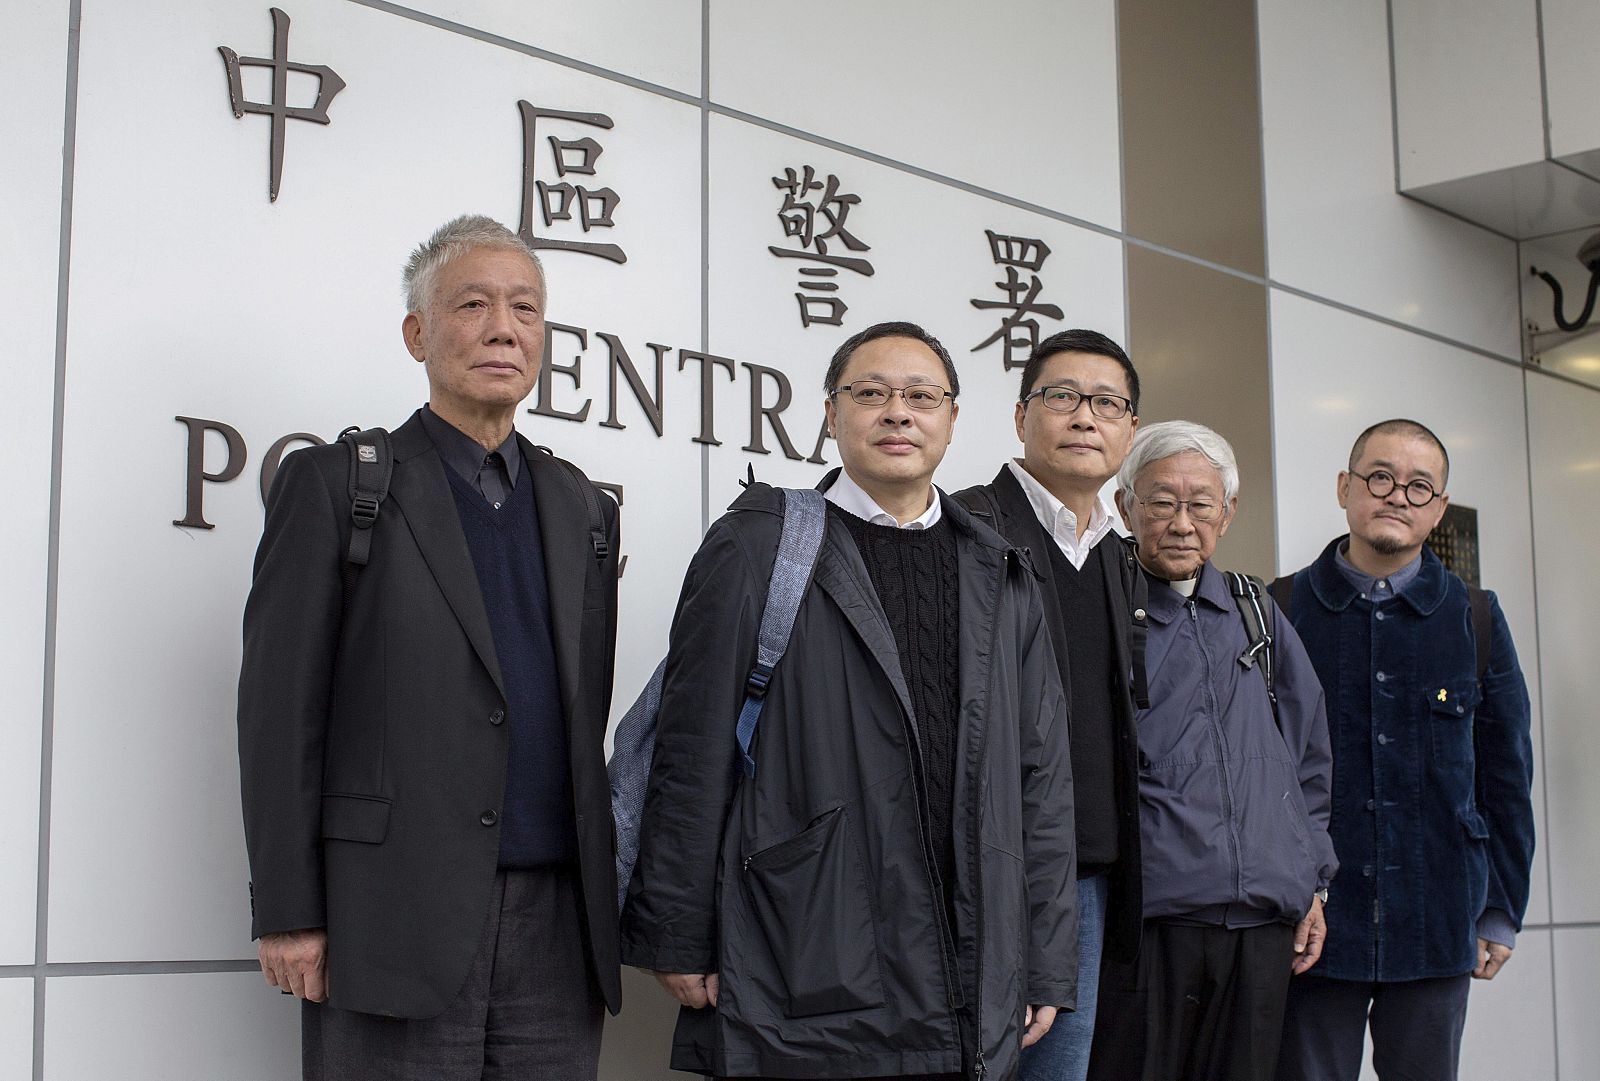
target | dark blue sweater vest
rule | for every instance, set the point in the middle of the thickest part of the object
(536, 825)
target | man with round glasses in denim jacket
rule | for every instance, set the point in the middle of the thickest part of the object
(1432, 807)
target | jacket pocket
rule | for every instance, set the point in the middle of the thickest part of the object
(355, 818)
(809, 894)
(1450, 710)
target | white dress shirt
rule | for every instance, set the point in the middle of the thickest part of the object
(849, 496)
(1060, 522)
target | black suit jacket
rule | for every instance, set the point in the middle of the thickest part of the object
(1003, 502)
(371, 734)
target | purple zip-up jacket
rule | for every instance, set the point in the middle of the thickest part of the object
(1233, 813)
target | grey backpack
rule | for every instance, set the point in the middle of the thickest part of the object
(634, 745)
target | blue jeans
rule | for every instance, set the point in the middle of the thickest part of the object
(1063, 1054)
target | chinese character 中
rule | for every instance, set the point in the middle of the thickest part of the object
(328, 86)
(814, 221)
(1014, 253)
(557, 202)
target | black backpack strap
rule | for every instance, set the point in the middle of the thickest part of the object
(591, 501)
(1249, 593)
(1482, 627)
(980, 502)
(1138, 624)
(1282, 590)
(371, 467)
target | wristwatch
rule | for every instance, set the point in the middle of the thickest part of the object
(1322, 895)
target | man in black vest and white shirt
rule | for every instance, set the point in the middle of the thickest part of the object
(1076, 415)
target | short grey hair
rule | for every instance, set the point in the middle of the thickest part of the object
(452, 240)
(1168, 437)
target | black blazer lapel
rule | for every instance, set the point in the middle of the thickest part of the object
(563, 529)
(421, 494)
(1021, 527)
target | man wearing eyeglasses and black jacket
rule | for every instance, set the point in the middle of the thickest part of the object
(1076, 416)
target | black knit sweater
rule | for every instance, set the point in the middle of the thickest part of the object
(915, 574)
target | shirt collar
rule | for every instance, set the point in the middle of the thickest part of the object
(849, 496)
(1376, 589)
(466, 455)
(1056, 517)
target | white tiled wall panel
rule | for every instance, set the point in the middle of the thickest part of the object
(32, 115)
(1571, 40)
(212, 302)
(1022, 99)
(1334, 226)
(1565, 452)
(931, 259)
(16, 1028)
(217, 1026)
(657, 41)
(1509, 1031)
(1577, 955)
(1467, 93)
(1333, 374)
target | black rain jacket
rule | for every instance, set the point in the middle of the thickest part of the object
(811, 888)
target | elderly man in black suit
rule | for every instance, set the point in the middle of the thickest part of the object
(420, 738)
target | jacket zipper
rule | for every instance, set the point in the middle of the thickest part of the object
(975, 841)
(947, 965)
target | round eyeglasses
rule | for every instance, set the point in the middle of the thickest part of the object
(874, 395)
(1380, 482)
(1066, 400)
(1200, 510)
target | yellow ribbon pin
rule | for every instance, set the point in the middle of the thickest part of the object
(1442, 694)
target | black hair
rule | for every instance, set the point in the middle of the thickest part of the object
(1401, 426)
(1078, 341)
(842, 355)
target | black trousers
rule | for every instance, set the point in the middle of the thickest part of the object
(529, 1009)
(1416, 1029)
(1200, 1004)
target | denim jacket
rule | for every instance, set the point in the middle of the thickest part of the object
(1432, 773)
(1233, 812)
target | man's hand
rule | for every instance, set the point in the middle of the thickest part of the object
(1491, 959)
(695, 990)
(296, 962)
(1309, 934)
(1037, 1022)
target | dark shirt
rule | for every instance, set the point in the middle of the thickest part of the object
(492, 474)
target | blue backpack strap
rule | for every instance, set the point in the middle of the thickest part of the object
(804, 521)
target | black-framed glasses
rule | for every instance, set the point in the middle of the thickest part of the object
(1380, 482)
(1163, 508)
(874, 395)
(1065, 400)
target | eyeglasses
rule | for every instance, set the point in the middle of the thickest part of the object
(874, 395)
(1380, 482)
(1201, 510)
(1065, 400)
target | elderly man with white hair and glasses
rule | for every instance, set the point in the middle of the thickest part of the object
(1234, 780)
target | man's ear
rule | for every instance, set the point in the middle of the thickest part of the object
(411, 331)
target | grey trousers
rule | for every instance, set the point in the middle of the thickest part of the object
(529, 1009)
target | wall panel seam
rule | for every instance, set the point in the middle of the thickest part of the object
(47, 707)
